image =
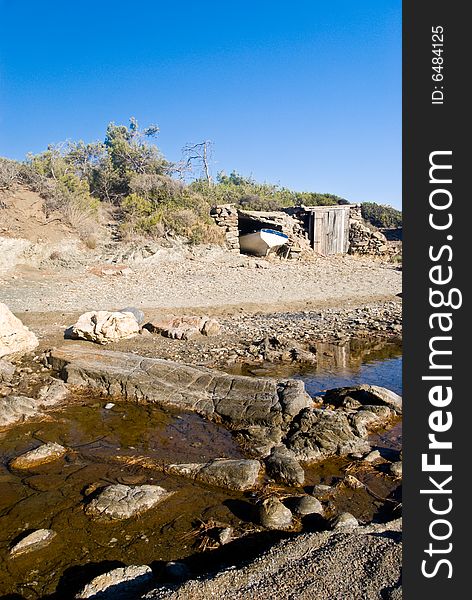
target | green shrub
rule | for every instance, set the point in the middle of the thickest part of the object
(381, 215)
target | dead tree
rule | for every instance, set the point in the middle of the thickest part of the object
(200, 154)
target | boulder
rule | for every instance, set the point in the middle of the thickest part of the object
(124, 501)
(185, 327)
(43, 454)
(345, 521)
(282, 466)
(104, 327)
(15, 338)
(14, 409)
(273, 514)
(123, 583)
(7, 370)
(33, 541)
(233, 474)
(366, 395)
(318, 433)
(305, 505)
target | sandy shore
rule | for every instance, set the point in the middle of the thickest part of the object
(207, 278)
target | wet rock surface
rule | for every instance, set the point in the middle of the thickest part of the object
(43, 454)
(33, 541)
(124, 501)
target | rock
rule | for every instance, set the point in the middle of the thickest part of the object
(274, 515)
(352, 482)
(211, 327)
(43, 454)
(7, 370)
(233, 474)
(124, 583)
(262, 439)
(15, 338)
(345, 521)
(225, 535)
(124, 501)
(34, 541)
(104, 327)
(365, 394)
(138, 314)
(185, 328)
(53, 393)
(396, 469)
(372, 456)
(237, 400)
(322, 492)
(305, 505)
(176, 571)
(362, 421)
(318, 433)
(14, 409)
(283, 467)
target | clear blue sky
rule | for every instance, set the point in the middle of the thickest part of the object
(304, 93)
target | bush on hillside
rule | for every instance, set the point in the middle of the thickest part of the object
(381, 215)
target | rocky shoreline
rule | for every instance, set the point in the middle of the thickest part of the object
(171, 363)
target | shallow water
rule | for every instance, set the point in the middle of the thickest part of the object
(52, 495)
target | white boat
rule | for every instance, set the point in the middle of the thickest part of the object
(262, 242)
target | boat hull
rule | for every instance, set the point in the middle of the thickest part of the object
(260, 243)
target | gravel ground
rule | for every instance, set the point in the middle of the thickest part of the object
(205, 278)
(362, 565)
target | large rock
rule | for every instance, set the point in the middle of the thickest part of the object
(366, 395)
(185, 327)
(104, 327)
(233, 474)
(282, 466)
(15, 338)
(34, 541)
(43, 454)
(14, 409)
(234, 399)
(123, 501)
(122, 583)
(273, 514)
(318, 433)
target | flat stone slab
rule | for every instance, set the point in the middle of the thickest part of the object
(43, 454)
(235, 399)
(119, 584)
(34, 541)
(124, 501)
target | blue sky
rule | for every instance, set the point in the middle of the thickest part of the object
(306, 94)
